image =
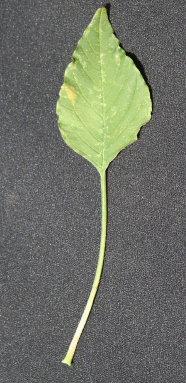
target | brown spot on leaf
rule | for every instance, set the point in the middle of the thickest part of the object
(70, 93)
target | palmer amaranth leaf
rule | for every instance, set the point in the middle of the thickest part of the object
(104, 100)
(103, 103)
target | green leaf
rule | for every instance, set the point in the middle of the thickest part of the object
(104, 100)
(103, 103)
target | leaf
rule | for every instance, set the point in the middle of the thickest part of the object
(103, 103)
(104, 100)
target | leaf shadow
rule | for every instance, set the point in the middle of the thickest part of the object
(107, 6)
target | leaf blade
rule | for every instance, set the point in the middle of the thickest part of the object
(104, 100)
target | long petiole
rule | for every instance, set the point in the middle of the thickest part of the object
(70, 353)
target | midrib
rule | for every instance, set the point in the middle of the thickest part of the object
(103, 101)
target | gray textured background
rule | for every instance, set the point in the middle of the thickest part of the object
(51, 215)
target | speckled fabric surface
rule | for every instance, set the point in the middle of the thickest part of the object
(52, 208)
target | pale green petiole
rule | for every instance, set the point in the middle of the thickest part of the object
(70, 353)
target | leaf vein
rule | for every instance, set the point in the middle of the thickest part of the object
(85, 126)
(127, 124)
(88, 74)
(122, 87)
(89, 59)
(85, 141)
(113, 83)
(85, 97)
(103, 111)
(97, 54)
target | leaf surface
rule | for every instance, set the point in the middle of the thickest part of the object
(104, 100)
